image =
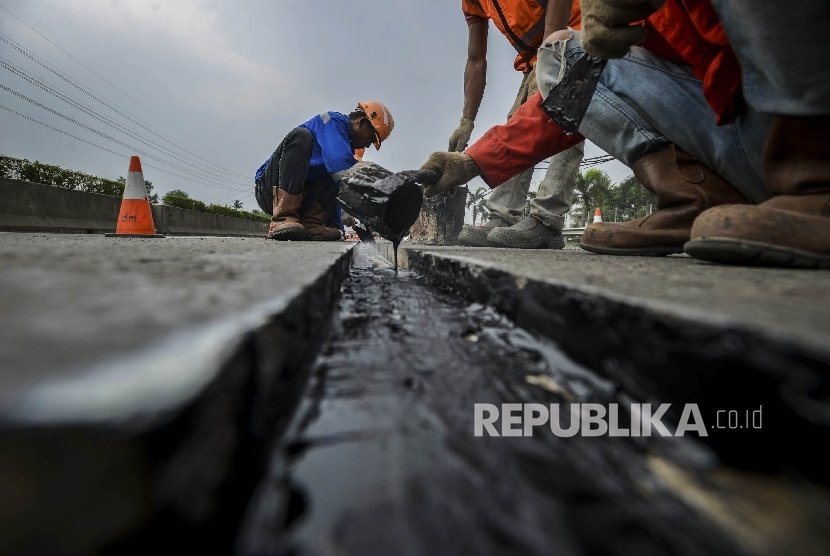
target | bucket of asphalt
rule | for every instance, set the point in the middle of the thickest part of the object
(385, 203)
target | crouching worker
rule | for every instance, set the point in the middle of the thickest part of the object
(299, 182)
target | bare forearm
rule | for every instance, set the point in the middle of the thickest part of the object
(557, 15)
(475, 80)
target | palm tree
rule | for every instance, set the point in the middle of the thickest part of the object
(477, 201)
(592, 190)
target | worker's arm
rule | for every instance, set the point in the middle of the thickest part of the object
(526, 139)
(557, 15)
(505, 150)
(475, 79)
(475, 73)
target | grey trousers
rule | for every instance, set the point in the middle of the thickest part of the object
(555, 193)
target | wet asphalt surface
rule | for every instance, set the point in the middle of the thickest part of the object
(381, 457)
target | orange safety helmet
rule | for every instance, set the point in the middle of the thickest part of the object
(380, 118)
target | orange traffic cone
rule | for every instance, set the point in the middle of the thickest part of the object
(135, 218)
(597, 215)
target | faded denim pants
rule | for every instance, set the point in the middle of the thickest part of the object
(644, 102)
(784, 50)
(556, 191)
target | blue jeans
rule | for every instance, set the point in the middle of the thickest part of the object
(644, 102)
(784, 50)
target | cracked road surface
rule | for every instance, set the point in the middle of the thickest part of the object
(381, 457)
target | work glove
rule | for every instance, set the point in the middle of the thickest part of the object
(606, 32)
(461, 136)
(347, 219)
(454, 169)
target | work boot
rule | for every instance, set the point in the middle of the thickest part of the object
(528, 233)
(793, 228)
(314, 223)
(476, 236)
(285, 223)
(684, 188)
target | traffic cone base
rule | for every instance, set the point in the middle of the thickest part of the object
(135, 219)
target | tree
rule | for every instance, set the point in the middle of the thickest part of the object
(174, 193)
(237, 204)
(148, 186)
(629, 199)
(592, 190)
(477, 201)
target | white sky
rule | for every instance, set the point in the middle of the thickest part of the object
(235, 77)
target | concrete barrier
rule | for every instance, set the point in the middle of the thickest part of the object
(182, 222)
(35, 207)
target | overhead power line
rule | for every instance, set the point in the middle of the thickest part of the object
(120, 155)
(110, 84)
(110, 138)
(33, 57)
(100, 117)
(586, 162)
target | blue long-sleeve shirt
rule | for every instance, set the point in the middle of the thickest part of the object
(332, 153)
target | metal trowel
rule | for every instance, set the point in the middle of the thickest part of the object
(568, 100)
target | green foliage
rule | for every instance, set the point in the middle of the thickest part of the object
(37, 172)
(180, 199)
(592, 190)
(622, 201)
(477, 201)
(174, 193)
(631, 200)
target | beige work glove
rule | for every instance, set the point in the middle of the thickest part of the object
(454, 168)
(461, 136)
(606, 32)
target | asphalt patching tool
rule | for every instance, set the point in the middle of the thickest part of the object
(568, 100)
(385, 203)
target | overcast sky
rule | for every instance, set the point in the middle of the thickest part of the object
(226, 80)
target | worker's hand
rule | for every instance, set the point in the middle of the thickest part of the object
(347, 219)
(606, 30)
(461, 136)
(454, 169)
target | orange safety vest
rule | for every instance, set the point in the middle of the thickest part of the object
(522, 22)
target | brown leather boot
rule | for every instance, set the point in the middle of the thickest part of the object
(313, 222)
(285, 223)
(793, 228)
(684, 188)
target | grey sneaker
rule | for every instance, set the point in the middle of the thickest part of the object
(527, 234)
(476, 236)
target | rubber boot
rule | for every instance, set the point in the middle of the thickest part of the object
(314, 223)
(285, 223)
(793, 228)
(476, 236)
(684, 189)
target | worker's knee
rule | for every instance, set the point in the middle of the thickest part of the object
(561, 35)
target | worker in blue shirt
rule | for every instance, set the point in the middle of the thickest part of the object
(299, 182)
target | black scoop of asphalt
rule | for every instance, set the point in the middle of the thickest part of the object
(385, 203)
